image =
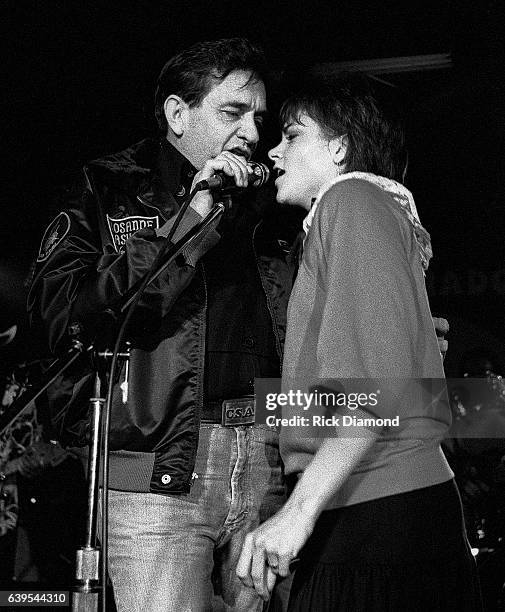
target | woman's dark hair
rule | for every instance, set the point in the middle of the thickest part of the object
(348, 105)
(192, 73)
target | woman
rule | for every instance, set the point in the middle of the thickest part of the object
(375, 517)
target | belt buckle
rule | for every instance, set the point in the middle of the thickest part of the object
(239, 411)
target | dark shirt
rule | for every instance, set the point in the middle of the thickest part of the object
(240, 339)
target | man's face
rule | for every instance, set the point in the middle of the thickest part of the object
(303, 161)
(227, 119)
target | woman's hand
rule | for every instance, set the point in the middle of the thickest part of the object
(271, 548)
(441, 328)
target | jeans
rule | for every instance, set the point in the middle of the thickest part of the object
(180, 552)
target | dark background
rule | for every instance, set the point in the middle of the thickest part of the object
(80, 79)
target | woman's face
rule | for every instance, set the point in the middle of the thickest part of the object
(304, 162)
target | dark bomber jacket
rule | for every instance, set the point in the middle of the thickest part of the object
(90, 255)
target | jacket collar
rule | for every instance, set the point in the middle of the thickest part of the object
(152, 170)
(169, 181)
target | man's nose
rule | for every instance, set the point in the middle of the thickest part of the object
(249, 130)
(275, 153)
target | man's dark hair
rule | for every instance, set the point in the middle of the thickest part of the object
(192, 73)
(348, 105)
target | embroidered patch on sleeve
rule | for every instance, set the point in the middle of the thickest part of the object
(122, 229)
(53, 235)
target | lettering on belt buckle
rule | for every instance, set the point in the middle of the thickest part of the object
(240, 411)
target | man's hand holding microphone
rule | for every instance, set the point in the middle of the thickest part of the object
(226, 171)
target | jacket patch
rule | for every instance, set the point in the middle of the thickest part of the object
(54, 234)
(122, 229)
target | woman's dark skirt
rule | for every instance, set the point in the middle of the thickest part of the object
(402, 553)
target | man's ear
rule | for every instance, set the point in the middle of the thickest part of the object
(338, 149)
(176, 114)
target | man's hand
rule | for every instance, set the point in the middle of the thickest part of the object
(227, 162)
(271, 547)
(441, 328)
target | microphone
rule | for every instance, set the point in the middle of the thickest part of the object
(258, 176)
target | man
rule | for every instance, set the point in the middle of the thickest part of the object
(188, 480)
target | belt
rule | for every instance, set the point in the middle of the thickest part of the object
(231, 412)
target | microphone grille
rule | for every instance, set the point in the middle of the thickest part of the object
(259, 175)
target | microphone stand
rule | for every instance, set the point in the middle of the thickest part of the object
(90, 581)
